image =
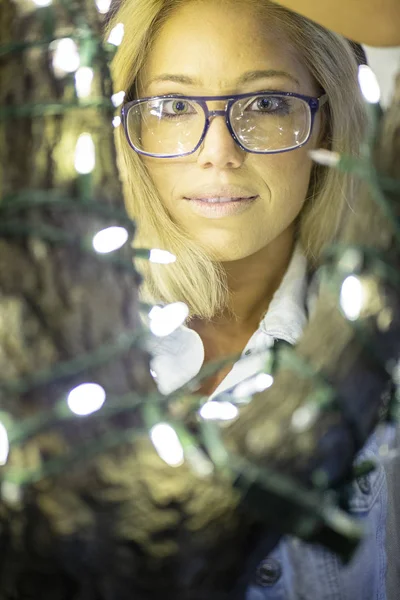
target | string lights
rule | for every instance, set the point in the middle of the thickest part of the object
(85, 154)
(171, 439)
(86, 398)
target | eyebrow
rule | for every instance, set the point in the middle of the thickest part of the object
(247, 77)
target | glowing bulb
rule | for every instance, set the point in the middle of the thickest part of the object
(85, 157)
(256, 384)
(116, 121)
(167, 444)
(110, 239)
(352, 297)
(66, 56)
(369, 84)
(11, 493)
(118, 98)
(83, 82)
(221, 411)
(116, 35)
(103, 6)
(4, 445)
(42, 2)
(162, 257)
(304, 417)
(165, 320)
(325, 157)
(86, 398)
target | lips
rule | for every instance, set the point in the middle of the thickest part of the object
(221, 199)
(218, 193)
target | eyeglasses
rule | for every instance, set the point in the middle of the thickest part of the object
(265, 123)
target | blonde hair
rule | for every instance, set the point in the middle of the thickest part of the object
(195, 278)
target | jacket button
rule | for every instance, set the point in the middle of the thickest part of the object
(364, 484)
(268, 572)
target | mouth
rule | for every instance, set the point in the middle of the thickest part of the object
(221, 199)
(218, 206)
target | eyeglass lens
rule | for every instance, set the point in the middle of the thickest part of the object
(174, 126)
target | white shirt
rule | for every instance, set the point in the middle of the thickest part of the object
(178, 357)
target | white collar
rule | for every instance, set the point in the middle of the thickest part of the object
(178, 357)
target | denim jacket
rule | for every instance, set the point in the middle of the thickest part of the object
(294, 570)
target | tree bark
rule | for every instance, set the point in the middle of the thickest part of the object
(102, 516)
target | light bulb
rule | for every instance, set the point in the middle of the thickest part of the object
(4, 445)
(167, 444)
(352, 297)
(86, 398)
(325, 157)
(116, 121)
(83, 81)
(162, 257)
(165, 320)
(256, 384)
(116, 35)
(66, 56)
(221, 411)
(304, 417)
(369, 84)
(118, 98)
(103, 6)
(110, 239)
(85, 157)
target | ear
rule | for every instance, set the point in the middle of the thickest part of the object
(324, 129)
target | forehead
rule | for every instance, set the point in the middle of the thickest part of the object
(214, 44)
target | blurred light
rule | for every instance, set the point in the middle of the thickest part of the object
(83, 82)
(85, 158)
(167, 444)
(153, 374)
(66, 56)
(118, 98)
(110, 239)
(103, 6)
(116, 35)
(4, 445)
(256, 384)
(116, 121)
(162, 257)
(86, 398)
(200, 464)
(369, 84)
(164, 320)
(11, 493)
(352, 297)
(42, 2)
(304, 417)
(325, 157)
(221, 411)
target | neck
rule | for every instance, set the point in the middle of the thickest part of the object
(252, 281)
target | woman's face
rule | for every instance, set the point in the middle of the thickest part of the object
(213, 49)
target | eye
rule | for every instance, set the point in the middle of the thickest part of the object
(180, 106)
(269, 104)
(177, 106)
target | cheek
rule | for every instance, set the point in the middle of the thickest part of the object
(286, 175)
(163, 176)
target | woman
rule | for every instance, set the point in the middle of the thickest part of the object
(223, 103)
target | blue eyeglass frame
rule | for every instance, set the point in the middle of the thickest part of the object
(314, 104)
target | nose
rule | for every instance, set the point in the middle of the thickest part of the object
(219, 149)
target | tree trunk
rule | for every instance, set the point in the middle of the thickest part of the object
(88, 508)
